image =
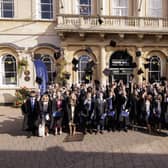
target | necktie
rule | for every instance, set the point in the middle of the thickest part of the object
(32, 103)
(111, 106)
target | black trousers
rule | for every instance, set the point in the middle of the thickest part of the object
(110, 123)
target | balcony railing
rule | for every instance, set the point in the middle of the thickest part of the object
(112, 23)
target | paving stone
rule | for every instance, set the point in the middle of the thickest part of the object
(129, 150)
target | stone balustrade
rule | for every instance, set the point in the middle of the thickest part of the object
(115, 23)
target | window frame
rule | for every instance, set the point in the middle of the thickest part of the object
(154, 58)
(115, 9)
(40, 12)
(2, 10)
(52, 67)
(80, 70)
(3, 72)
(87, 5)
(155, 11)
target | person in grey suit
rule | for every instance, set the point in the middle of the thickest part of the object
(100, 112)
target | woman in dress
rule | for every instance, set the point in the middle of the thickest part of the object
(57, 113)
(45, 112)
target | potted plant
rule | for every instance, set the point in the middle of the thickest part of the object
(21, 95)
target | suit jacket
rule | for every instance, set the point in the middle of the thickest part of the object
(108, 104)
(87, 108)
(49, 109)
(55, 107)
(69, 111)
(32, 112)
(99, 108)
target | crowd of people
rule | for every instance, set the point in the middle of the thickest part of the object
(94, 108)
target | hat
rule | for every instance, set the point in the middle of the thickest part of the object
(112, 43)
(39, 80)
(146, 65)
(140, 71)
(75, 61)
(57, 55)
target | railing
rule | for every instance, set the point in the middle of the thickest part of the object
(76, 22)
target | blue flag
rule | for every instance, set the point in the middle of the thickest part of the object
(41, 72)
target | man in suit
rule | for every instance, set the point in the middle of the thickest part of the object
(100, 112)
(32, 110)
(110, 109)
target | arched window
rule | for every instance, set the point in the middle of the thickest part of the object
(9, 72)
(154, 69)
(83, 60)
(85, 7)
(48, 61)
(119, 8)
(155, 8)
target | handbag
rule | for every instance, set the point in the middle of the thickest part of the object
(124, 113)
(41, 130)
(111, 113)
(56, 114)
(103, 116)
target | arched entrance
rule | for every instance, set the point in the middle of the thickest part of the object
(121, 66)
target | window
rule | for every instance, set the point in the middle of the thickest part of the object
(120, 7)
(50, 67)
(83, 60)
(85, 7)
(46, 9)
(9, 71)
(7, 8)
(154, 69)
(155, 8)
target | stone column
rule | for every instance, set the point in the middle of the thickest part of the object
(139, 62)
(102, 64)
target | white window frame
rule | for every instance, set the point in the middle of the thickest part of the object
(39, 10)
(2, 11)
(2, 72)
(154, 10)
(117, 10)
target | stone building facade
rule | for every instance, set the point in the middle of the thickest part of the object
(121, 36)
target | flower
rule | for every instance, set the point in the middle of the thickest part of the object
(21, 95)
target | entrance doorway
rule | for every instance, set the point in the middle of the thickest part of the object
(121, 66)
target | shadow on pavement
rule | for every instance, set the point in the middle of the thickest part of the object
(154, 133)
(59, 158)
(12, 126)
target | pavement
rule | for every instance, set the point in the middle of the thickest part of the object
(134, 149)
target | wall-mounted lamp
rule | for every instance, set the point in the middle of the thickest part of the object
(139, 5)
(61, 2)
(112, 43)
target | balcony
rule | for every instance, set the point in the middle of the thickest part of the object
(112, 24)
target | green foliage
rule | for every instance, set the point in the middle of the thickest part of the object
(21, 95)
(22, 65)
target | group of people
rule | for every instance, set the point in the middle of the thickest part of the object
(89, 108)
